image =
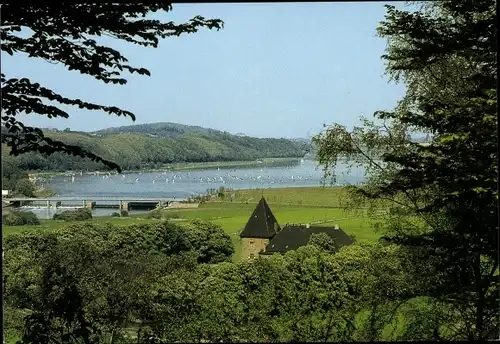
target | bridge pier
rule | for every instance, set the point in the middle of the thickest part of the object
(90, 205)
(48, 204)
(123, 206)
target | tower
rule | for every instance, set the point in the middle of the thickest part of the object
(261, 227)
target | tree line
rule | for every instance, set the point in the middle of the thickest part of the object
(162, 282)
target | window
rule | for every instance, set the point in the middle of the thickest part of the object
(252, 255)
(251, 241)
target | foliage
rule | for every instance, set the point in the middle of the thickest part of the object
(444, 195)
(25, 187)
(102, 274)
(322, 241)
(20, 218)
(80, 214)
(154, 214)
(14, 179)
(137, 151)
(122, 213)
(210, 241)
(305, 295)
(151, 277)
(70, 35)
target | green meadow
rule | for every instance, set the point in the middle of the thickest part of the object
(318, 205)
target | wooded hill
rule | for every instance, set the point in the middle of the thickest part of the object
(160, 129)
(152, 145)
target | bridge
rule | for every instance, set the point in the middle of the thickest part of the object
(112, 202)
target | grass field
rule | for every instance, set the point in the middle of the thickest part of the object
(289, 205)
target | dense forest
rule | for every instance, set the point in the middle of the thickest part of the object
(152, 145)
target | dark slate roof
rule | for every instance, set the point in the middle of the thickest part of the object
(295, 236)
(262, 223)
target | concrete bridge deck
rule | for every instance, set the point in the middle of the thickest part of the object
(122, 203)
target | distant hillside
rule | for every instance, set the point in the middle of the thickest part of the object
(156, 145)
(160, 129)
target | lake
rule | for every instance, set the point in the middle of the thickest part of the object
(183, 184)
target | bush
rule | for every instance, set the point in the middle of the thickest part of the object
(122, 213)
(154, 214)
(80, 214)
(20, 218)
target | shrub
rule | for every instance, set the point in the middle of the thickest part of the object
(20, 218)
(80, 214)
(122, 213)
(154, 214)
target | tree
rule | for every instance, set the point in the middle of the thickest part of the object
(25, 187)
(322, 241)
(444, 196)
(68, 34)
(11, 174)
(88, 280)
(209, 240)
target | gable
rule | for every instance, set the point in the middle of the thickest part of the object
(262, 223)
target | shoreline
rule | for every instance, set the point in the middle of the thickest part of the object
(182, 167)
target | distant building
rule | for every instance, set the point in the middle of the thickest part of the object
(263, 235)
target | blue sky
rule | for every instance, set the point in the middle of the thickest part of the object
(275, 70)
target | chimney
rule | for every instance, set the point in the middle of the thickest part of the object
(308, 225)
(336, 227)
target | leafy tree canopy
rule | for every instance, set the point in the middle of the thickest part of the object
(68, 34)
(444, 195)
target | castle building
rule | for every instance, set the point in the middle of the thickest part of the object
(263, 235)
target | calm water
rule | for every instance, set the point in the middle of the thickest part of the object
(189, 183)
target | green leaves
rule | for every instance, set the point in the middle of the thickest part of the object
(445, 55)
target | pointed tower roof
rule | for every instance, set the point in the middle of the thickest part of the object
(262, 223)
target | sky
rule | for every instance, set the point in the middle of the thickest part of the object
(275, 70)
